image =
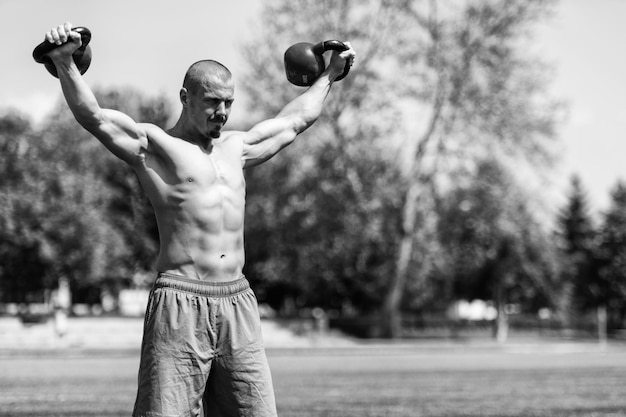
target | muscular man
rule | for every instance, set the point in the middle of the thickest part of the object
(202, 340)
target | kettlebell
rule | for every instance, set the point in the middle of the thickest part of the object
(82, 56)
(304, 62)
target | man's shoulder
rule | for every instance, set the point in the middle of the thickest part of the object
(157, 135)
(152, 129)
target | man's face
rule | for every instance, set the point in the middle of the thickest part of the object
(210, 106)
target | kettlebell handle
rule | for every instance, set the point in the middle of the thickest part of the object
(39, 54)
(333, 45)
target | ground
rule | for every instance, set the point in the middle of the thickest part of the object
(435, 378)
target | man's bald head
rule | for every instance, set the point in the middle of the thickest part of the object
(204, 71)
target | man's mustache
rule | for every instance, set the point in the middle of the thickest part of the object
(218, 118)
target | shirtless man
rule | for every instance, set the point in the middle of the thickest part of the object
(202, 346)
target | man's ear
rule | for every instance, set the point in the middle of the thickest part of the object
(183, 96)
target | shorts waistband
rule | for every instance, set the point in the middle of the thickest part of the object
(204, 288)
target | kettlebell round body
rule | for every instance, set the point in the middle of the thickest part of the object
(304, 62)
(302, 65)
(81, 57)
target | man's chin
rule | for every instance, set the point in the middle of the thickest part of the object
(215, 134)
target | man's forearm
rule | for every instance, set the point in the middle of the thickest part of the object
(79, 97)
(307, 107)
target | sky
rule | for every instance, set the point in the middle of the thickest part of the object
(584, 42)
(148, 44)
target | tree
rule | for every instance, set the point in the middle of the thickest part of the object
(608, 290)
(322, 236)
(576, 239)
(481, 96)
(497, 249)
(22, 271)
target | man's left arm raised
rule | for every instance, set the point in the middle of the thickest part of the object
(267, 138)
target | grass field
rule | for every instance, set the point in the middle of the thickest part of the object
(398, 381)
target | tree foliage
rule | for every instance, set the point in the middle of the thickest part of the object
(21, 268)
(69, 209)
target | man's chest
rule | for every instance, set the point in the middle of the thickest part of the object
(177, 171)
(179, 162)
(207, 170)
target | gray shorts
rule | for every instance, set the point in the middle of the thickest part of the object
(202, 349)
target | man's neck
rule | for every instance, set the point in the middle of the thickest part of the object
(178, 131)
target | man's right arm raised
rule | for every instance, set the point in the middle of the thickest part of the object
(118, 132)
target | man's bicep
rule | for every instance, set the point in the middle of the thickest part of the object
(120, 134)
(267, 138)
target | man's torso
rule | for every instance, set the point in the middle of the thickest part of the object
(198, 197)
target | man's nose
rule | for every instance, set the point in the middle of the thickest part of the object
(221, 108)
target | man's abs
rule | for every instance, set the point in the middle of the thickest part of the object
(200, 254)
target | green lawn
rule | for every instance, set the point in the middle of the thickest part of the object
(546, 380)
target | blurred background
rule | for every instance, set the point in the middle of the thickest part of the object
(464, 180)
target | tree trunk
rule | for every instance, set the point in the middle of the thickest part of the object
(62, 301)
(502, 324)
(392, 317)
(392, 320)
(601, 313)
(501, 329)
